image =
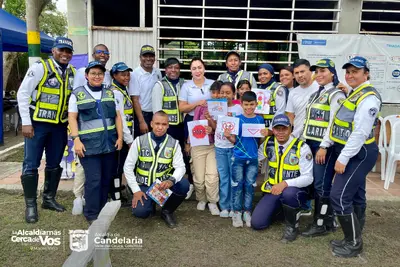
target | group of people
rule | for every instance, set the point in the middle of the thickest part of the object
(318, 139)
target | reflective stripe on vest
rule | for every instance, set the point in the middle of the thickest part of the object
(281, 168)
(128, 105)
(318, 114)
(96, 122)
(53, 92)
(241, 76)
(151, 166)
(170, 100)
(343, 122)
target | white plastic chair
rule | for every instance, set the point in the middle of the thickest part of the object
(384, 146)
(393, 154)
(382, 150)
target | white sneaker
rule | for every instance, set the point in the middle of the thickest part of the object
(190, 192)
(231, 213)
(247, 218)
(213, 208)
(237, 219)
(201, 205)
(78, 206)
(224, 214)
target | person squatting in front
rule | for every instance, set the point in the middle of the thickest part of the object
(321, 108)
(355, 152)
(290, 168)
(96, 128)
(156, 155)
(43, 106)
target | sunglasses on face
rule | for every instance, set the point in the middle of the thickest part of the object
(102, 52)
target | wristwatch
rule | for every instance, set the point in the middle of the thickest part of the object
(74, 136)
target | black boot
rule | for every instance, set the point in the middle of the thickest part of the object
(360, 213)
(51, 180)
(167, 212)
(29, 184)
(292, 216)
(353, 244)
(323, 222)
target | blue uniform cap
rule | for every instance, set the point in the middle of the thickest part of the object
(281, 120)
(119, 67)
(95, 64)
(358, 62)
(62, 42)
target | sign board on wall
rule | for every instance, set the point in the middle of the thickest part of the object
(382, 52)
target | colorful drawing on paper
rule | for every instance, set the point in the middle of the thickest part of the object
(230, 123)
(217, 107)
(263, 97)
(197, 133)
(252, 130)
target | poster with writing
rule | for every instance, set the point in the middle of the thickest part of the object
(217, 107)
(230, 123)
(197, 133)
(252, 130)
(262, 101)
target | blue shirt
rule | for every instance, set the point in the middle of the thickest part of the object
(247, 147)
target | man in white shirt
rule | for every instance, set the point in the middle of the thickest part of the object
(141, 86)
(299, 96)
(288, 178)
(156, 155)
(100, 54)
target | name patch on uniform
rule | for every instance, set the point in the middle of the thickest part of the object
(47, 114)
(315, 131)
(31, 73)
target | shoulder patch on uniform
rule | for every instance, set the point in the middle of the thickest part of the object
(373, 111)
(31, 73)
(309, 156)
(109, 93)
(280, 92)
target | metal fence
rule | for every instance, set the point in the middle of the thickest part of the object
(380, 17)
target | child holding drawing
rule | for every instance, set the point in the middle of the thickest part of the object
(224, 151)
(245, 160)
(205, 177)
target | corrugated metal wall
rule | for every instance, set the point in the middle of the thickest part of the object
(124, 45)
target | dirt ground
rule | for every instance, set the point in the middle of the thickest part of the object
(200, 240)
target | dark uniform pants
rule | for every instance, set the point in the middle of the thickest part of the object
(52, 138)
(99, 170)
(270, 205)
(349, 188)
(147, 116)
(323, 173)
(143, 211)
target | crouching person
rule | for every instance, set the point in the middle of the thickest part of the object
(156, 155)
(289, 174)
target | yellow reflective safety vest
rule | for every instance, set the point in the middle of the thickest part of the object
(53, 92)
(241, 76)
(96, 121)
(283, 167)
(273, 88)
(318, 114)
(128, 105)
(170, 100)
(343, 122)
(152, 165)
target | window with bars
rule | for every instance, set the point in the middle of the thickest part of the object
(380, 17)
(263, 31)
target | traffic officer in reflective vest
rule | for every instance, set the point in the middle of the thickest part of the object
(43, 105)
(120, 73)
(321, 108)
(355, 153)
(234, 74)
(156, 155)
(278, 93)
(289, 174)
(96, 128)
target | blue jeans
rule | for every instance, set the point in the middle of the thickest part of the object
(224, 166)
(52, 138)
(244, 175)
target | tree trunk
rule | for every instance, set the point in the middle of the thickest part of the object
(8, 63)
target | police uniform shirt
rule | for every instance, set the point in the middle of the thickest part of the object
(80, 79)
(192, 94)
(27, 91)
(73, 107)
(141, 84)
(133, 156)
(157, 97)
(364, 120)
(334, 106)
(305, 164)
(297, 104)
(280, 102)
(119, 102)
